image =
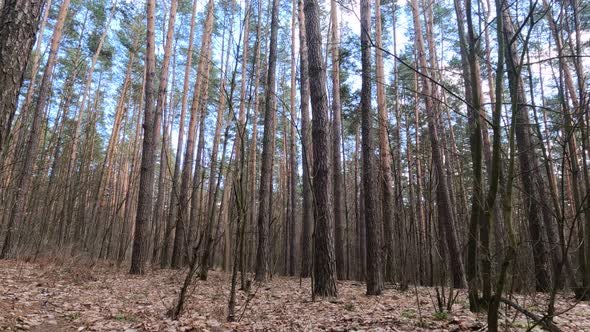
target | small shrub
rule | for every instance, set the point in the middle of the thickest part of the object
(124, 317)
(408, 313)
(72, 316)
(441, 315)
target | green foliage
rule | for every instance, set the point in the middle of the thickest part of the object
(408, 313)
(124, 317)
(72, 316)
(441, 315)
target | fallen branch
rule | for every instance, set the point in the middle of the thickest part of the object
(543, 321)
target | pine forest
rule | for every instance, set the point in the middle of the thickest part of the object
(295, 165)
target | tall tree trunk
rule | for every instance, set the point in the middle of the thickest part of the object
(174, 195)
(264, 214)
(420, 207)
(157, 220)
(336, 124)
(481, 210)
(239, 194)
(306, 144)
(130, 193)
(324, 264)
(292, 148)
(361, 257)
(565, 78)
(374, 268)
(386, 179)
(146, 180)
(253, 151)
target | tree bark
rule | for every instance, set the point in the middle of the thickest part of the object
(158, 221)
(374, 276)
(19, 21)
(386, 179)
(146, 179)
(264, 198)
(292, 149)
(336, 124)
(306, 144)
(324, 264)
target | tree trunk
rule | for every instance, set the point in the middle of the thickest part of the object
(253, 150)
(323, 245)
(146, 180)
(19, 21)
(240, 187)
(26, 104)
(307, 208)
(386, 179)
(157, 220)
(374, 268)
(172, 212)
(292, 149)
(264, 198)
(337, 166)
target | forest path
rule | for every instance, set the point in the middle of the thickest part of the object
(73, 297)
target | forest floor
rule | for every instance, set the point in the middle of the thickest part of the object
(70, 296)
